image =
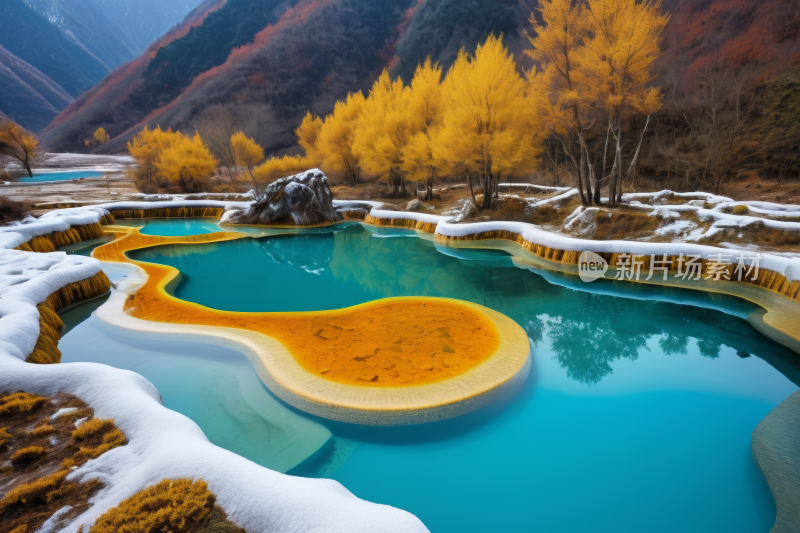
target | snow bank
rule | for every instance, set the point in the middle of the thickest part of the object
(765, 208)
(171, 204)
(356, 204)
(543, 188)
(419, 217)
(60, 220)
(532, 234)
(26, 280)
(661, 197)
(210, 195)
(162, 443)
(51, 158)
(555, 199)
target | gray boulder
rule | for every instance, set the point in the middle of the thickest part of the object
(304, 199)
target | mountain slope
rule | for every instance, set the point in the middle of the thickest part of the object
(29, 36)
(263, 64)
(28, 97)
(54, 50)
(81, 22)
(268, 62)
(441, 28)
(143, 21)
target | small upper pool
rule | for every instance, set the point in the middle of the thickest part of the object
(61, 176)
(172, 227)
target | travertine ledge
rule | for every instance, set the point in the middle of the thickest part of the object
(776, 449)
(464, 364)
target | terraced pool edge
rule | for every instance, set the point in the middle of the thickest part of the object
(283, 374)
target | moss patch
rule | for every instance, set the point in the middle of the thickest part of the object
(42, 452)
(174, 505)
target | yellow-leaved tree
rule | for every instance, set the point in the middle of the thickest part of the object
(248, 154)
(274, 168)
(186, 163)
(624, 44)
(19, 143)
(562, 80)
(100, 135)
(279, 167)
(308, 136)
(425, 113)
(383, 130)
(334, 144)
(489, 128)
(146, 148)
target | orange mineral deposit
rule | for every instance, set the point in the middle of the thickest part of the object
(385, 343)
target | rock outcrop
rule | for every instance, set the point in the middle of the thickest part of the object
(304, 199)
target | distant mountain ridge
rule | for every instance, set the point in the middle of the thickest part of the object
(29, 97)
(266, 63)
(71, 45)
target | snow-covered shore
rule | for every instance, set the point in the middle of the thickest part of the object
(161, 443)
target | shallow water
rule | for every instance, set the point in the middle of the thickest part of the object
(61, 176)
(172, 227)
(636, 417)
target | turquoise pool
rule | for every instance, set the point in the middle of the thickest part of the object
(636, 417)
(61, 176)
(171, 227)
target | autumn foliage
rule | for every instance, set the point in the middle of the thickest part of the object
(476, 121)
(19, 143)
(171, 160)
(595, 64)
(247, 153)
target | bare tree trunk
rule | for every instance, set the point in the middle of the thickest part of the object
(556, 165)
(603, 170)
(255, 183)
(26, 161)
(632, 167)
(616, 180)
(472, 192)
(577, 168)
(487, 190)
(586, 164)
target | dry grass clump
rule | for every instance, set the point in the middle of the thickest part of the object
(624, 225)
(43, 431)
(27, 455)
(756, 233)
(37, 492)
(760, 233)
(11, 210)
(5, 436)
(174, 505)
(510, 208)
(101, 432)
(20, 402)
(740, 210)
(36, 484)
(545, 214)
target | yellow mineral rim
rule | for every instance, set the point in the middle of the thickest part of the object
(390, 361)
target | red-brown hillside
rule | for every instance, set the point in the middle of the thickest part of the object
(265, 63)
